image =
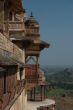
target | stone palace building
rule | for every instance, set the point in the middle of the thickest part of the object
(20, 43)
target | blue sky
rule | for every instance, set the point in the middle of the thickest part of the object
(56, 27)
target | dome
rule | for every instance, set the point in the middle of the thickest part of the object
(31, 21)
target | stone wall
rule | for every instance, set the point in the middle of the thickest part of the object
(1, 14)
(20, 103)
(51, 107)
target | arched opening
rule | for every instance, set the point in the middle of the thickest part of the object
(10, 16)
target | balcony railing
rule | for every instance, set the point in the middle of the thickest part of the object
(33, 75)
(36, 79)
(10, 50)
(14, 25)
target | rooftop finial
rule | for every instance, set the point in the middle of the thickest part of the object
(31, 14)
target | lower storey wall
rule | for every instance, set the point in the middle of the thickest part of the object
(21, 102)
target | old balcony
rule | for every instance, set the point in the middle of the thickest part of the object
(16, 26)
(33, 76)
(9, 51)
(35, 81)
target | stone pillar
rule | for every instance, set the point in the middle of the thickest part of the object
(37, 63)
(13, 16)
(1, 15)
(24, 63)
(34, 93)
(44, 91)
(41, 92)
(22, 69)
(18, 73)
(31, 95)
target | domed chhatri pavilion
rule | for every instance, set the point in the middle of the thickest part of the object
(20, 73)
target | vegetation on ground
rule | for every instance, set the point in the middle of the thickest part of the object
(61, 87)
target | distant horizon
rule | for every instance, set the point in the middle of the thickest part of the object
(67, 66)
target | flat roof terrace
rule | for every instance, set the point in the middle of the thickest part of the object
(32, 105)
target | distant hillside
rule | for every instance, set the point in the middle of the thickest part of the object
(62, 78)
(51, 69)
(65, 75)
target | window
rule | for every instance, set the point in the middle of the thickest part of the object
(10, 16)
(21, 73)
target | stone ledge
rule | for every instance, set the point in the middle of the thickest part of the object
(34, 105)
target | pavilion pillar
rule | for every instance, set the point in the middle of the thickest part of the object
(37, 59)
(41, 93)
(44, 91)
(31, 95)
(34, 93)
